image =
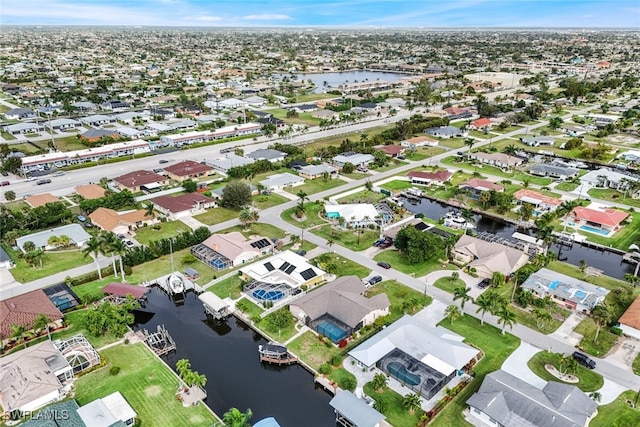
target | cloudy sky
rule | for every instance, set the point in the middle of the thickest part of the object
(343, 13)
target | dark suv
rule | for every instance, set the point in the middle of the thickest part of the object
(374, 280)
(43, 181)
(584, 360)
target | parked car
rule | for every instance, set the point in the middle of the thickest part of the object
(81, 218)
(4, 183)
(163, 161)
(43, 181)
(158, 170)
(384, 265)
(87, 224)
(128, 243)
(59, 173)
(374, 280)
(121, 236)
(5, 173)
(301, 252)
(584, 360)
(485, 283)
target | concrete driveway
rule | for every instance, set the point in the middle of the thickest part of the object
(516, 365)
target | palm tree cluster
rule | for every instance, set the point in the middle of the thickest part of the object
(493, 302)
(248, 216)
(106, 242)
(236, 418)
(191, 378)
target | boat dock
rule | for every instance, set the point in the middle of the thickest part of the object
(276, 354)
(163, 283)
(159, 342)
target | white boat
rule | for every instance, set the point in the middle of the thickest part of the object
(176, 284)
(456, 221)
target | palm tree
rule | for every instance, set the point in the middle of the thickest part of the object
(378, 382)
(542, 316)
(42, 322)
(467, 215)
(19, 332)
(452, 313)
(454, 277)
(469, 142)
(506, 317)
(601, 315)
(245, 217)
(302, 197)
(567, 363)
(234, 418)
(150, 210)
(183, 366)
(462, 293)
(94, 249)
(485, 304)
(106, 242)
(118, 247)
(412, 402)
(596, 396)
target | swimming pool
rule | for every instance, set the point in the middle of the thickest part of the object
(594, 230)
(580, 294)
(554, 284)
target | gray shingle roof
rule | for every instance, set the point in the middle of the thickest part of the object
(356, 410)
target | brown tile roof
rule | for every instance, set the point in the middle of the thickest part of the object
(187, 168)
(124, 289)
(138, 178)
(41, 199)
(108, 219)
(90, 191)
(482, 184)
(440, 175)
(392, 149)
(23, 309)
(609, 217)
(631, 317)
(180, 203)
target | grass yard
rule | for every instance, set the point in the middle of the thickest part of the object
(167, 229)
(306, 245)
(229, 287)
(75, 320)
(346, 267)
(161, 266)
(281, 335)
(259, 228)
(496, 348)
(566, 186)
(6, 135)
(613, 196)
(587, 328)
(392, 165)
(340, 374)
(454, 143)
(249, 308)
(52, 263)
(313, 186)
(94, 289)
(490, 170)
(364, 196)
(356, 175)
(398, 294)
(69, 143)
(589, 380)
(397, 415)
(400, 263)
(336, 140)
(311, 350)
(311, 218)
(622, 239)
(447, 284)
(302, 119)
(262, 201)
(217, 215)
(636, 365)
(24, 148)
(618, 413)
(397, 185)
(146, 383)
(356, 240)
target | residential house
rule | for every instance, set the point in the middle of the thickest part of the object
(429, 178)
(278, 123)
(353, 411)
(632, 156)
(597, 220)
(325, 115)
(499, 160)
(419, 141)
(356, 215)
(129, 132)
(478, 186)
(93, 135)
(19, 114)
(280, 181)
(318, 171)
(488, 257)
(393, 151)
(446, 132)
(221, 251)
(40, 199)
(140, 180)
(90, 191)
(304, 108)
(98, 120)
(176, 207)
(481, 124)
(504, 400)
(63, 124)
(340, 304)
(536, 141)
(541, 203)
(356, 159)
(77, 235)
(5, 259)
(565, 291)
(20, 128)
(458, 113)
(267, 154)
(630, 320)
(188, 169)
(110, 410)
(23, 310)
(120, 222)
(606, 178)
(553, 171)
(423, 358)
(573, 130)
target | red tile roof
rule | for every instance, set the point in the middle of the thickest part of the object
(23, 309)
(482, 184)
(124, 289)
(608, 217)
(392, 149)
(525, 192)
(187, 168)
(181, 203)
(455, 110)
(481, 122)
(631, 317)
(440, 175)
(138, 178)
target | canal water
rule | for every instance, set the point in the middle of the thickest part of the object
(227, 353)
(610, 263)
(338, 78)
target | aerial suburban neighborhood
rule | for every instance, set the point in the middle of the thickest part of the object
(312, 226)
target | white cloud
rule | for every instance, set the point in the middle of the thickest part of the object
(208, 18)
(267, 17)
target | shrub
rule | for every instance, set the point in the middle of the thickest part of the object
(189, 259)
(347, 383)
(336, 360)
(615, 330)
(114, 370)
(325, 368)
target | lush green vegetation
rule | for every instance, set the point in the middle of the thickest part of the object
(618, 413)
(589, 380)
(69, 143)
(258, 228)
(262, 201)
(312, 186)
(613, 196)
(76, 322)
(397, 185)
(403, 299)
(399, 262)
(52, 262)
(588, 328)
(490, 170)
(342, 376)
(311, 215)
(312, 350)
(159, 231)
(229, 287)
(249, 308)
(636, 365)
(217, 215)
(145, 383)
(397, 415)
(496, 348)
(337, 264)
(567, 186)
(162, 265)
(356, 240)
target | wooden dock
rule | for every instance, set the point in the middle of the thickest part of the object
(159, 342)
(290, 360)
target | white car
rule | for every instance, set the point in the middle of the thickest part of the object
(128, 243)
(31, 178)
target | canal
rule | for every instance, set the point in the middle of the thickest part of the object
(342, 77)
(227, 354)
(610, 263)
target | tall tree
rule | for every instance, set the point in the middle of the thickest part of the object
(601, 315)
(42, 322)
(94, 249)
(20, 332)
(462, 293)
(485, 304)
(452, 313)
(412, 402)
(235, 418)
(507, 317)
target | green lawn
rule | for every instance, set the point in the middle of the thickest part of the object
(589, 380)
(356, 175)
(280, 335)
(302, 119)
(311, 218)
(490, 170)
(397, 415)
(7, 136)
(454, 143)
(618, 413)
(613, 196)
(566, 186)
(262, 201)
(346, 267)
(400, 263)
(94, 289)
(496, 348)
(363, 196)
(398, 294)
(75, 320)
(587, 328)
(229, 287)
(397, 185)
(249, 308)
(340, 374)
(356, 240)
(448, 285)
(217, 215)
(312, 147)
(311, 350)
(622, 239)
(161, 266)
(52, 263)
(391, 165)
(146, 383)
(636, 365)
(259, 228)
(69, 143)
(167, 229)
(312, 186)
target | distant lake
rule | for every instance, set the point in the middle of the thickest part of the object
(338, 78)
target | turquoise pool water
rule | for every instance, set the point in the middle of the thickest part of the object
(594, 230)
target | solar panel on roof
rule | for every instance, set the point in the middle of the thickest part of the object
(269, 266)
(260, 244)
(308, 274)
(284, 266)
(290, 269)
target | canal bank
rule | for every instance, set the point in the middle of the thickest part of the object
(227, 353)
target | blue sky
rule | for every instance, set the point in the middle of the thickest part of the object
(344, 13)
